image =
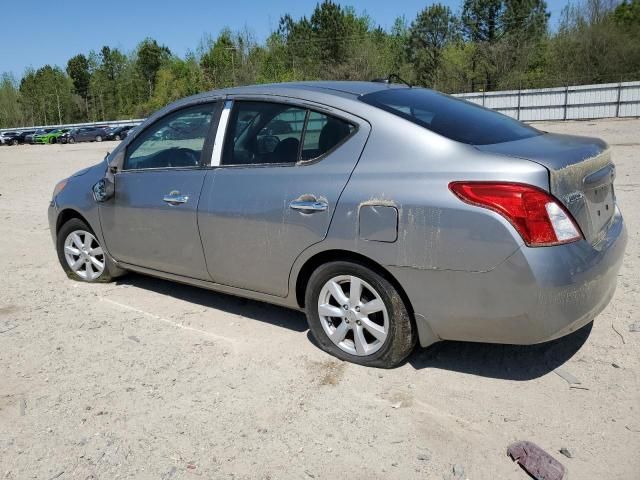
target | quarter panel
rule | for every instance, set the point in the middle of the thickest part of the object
(410, 168)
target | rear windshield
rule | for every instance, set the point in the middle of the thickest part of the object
(450, 117)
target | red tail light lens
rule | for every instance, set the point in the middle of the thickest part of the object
(537, 216)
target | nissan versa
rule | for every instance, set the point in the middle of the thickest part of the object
(391, 215)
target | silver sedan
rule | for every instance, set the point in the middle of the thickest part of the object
(391, 215)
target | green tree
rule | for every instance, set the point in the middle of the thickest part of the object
(78, 71)
(176, 79)
(218, 61)
(10, 109)
(627, 16)
(430, 32)
(46, 96)
(150, 57)
(482, 20)
(107, 88)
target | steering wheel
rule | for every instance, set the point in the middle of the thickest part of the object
(183, 157)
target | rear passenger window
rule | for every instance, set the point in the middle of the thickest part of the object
(323, 132)
(261, 133)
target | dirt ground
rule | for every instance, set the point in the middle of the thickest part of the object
(144, 378)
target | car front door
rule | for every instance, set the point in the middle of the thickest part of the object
(281, 173)
(151, 221)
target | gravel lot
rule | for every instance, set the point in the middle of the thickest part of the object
(147, 379)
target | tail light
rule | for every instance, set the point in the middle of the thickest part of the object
(537, 216)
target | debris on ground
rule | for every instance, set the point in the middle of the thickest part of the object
(458, 472)
(535, 461)
(424, 457)
(570, 379)
(634, 327)
(566, 452)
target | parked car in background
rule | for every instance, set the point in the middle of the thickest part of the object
(118, 133)
(85, 134)
(7, 137)
(50, 137)
(17, 137)
(392, 215)
(41, 131)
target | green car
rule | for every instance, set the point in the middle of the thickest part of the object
(50, 137)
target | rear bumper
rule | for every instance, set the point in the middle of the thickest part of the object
(536, 295)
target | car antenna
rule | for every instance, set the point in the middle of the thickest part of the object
(390, 78)
(397, 77)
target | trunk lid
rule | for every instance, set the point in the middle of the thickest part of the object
(581, 175)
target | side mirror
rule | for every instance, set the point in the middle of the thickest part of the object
(103, 190)
(116, 162)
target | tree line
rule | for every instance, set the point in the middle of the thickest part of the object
(487, 45)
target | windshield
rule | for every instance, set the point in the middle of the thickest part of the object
(450, 117)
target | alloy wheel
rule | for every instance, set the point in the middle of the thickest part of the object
(84, 255)
(353, 315)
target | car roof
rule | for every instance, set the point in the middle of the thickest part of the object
(307, 90)
(352, 88)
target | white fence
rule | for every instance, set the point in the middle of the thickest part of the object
(564, 103)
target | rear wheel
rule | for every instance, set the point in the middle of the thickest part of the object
(357, 315)
(98, 138)
(71, 140)
(15, 143)
(80, 254)
(117, 137)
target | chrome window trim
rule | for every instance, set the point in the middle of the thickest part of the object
(218, 143)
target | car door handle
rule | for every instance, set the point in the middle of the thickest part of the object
(309, 206)
(175, 199)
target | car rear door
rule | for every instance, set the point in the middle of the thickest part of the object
(274, 192)
(151, 221)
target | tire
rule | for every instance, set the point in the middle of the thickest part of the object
(117, 138)
(71, 140)
(15, 143)
(98, 138)
(84, 242)
(395, 336)
(52, 141)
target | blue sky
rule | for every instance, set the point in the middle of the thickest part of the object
(41, 32)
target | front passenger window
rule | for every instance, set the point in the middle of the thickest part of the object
(174, 141)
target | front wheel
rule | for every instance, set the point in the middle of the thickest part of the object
(15, 143)
(98, 138)
(80, 253)
(357, 315)
(71, 140)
